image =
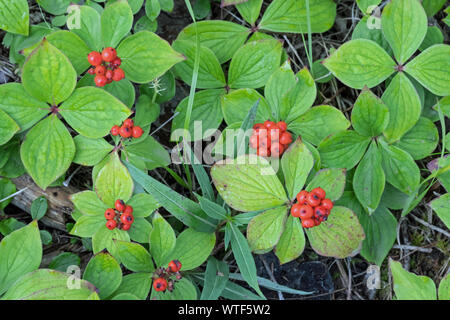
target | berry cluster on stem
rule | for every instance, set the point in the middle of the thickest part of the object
(127, 130)
(162, 278)
(105, 66)
(270, 139)
(312, 207)
(121, 216)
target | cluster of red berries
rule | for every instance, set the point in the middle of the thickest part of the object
(162, 281)
(121, 216)
(270, 138)
(105, 66)
(127, 130)
(312, 208)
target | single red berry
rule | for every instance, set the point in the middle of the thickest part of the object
(100, 70)
(108, 81)
(254, 141)
(160, 284)
(276, 149)
(128, 209)
(308, 223)
(109, 54)
(301, 196)
(313, 200)
(263, 152)
(111, 224)
(126, 227)
(128, 123)
(119, 74)
(174, 266)
(137, 132)
(91, 71)
(100, 81)
(306, 212)
(110, 214)
(117, 62)
(258, 126)
(282, 125)
(295, 210)
(119, 205)
(317, 222)
(115, 130)
(274, 134)
(109, 74)
(95, 58)
(327, 204)
(320, 211)
(269, 124)
(320, 192)
(127, 218)
(125, 132)
(285, 138)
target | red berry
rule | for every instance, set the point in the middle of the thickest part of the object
(295, 210)
(109, 54)
(276, 150)
(306, 212)
(313, 200)
(301, 196)
(110, 214)
(319, 192)
(317, 222)
(160, 284)
(274, 134)
(126, 227)
(127, 218)
(308, 223)
(285, 138)
(119, 205)
(118, 74)
(254, 141)
(263, 152)
(125, 132)
(100, 81)
(258, 126)
(128, 123)
(174, 266)
(117, 62)
(269, 124)
(100, 70)
(282, 125)
(115, 130)
(320, 212)
(95, 58)
(111, 224)
(91, 71)
(137, 132)
(327, 204)
(109, 74)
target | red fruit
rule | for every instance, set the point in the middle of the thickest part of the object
(269, 124)
(274, 134)
(126, 227)
(301, 196)
(111, 224)
(306, 212)
(117, 62)
(127, 218)
(91, 71)
(128, 209)
(313, 200)
(317, 222)
(108, 81)
(100, 81)
(276, 149)
(137, 132)
(160, 284)
(109, 74)
(119, 205)
(263, 152)
(308, 223)
(118, 74)
(110, 214)
(125, 132)
(282, 125)
(115, 130)
(128, 123)
(254, 141)
(95, 58)
(174, 266)
(295, 210)
(327, 204)
(285, 138)
(320, 211)
(100, 70)
(109, 54)
(258, 126)
(320, 192)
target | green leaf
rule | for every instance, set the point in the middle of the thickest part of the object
(434, 36)
(444, 288)
(146, 111)
(122, 90)
(162, 240)
(210, 74)
(432, 6)
(250, 10)
(339, 237)
(393, 198)
(20, 253)
(381, 231)
(216, 278)
(92, 111)
(237, 104)
(400, 169)
(6, 188)
(114, 182)
(48, 74)
(84, 21)
(46, 284)
(441, 206)
(421, 140)
(343, 150)
(192, 256)
(404, 25)
(369, 179)
(15, 16)
(57, 7)
(20, 106)
(152, 9)
(292, 241)
(408, 286)
(318, 123)
(254, 63)
(234, 291)
(361, 62)
(47, 151)
(166, 5)
(62, 261)
(212, 209)
(404, 107)
(87, 226)
(136, 283)
(39, 208)
(365, 5)
(116, 23)
(291, 16)
(88, 203)
(134, 256)
(140, 230)
(145, 56)
(331, 180)
(183, 290)
(432, 69)
(297, 162)
(252, 174)
(264, 230)
(149, 151)
(8, 127)
(370, 116)
(89, 151)
(104, 272)
(143, 205)
(224, 38)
